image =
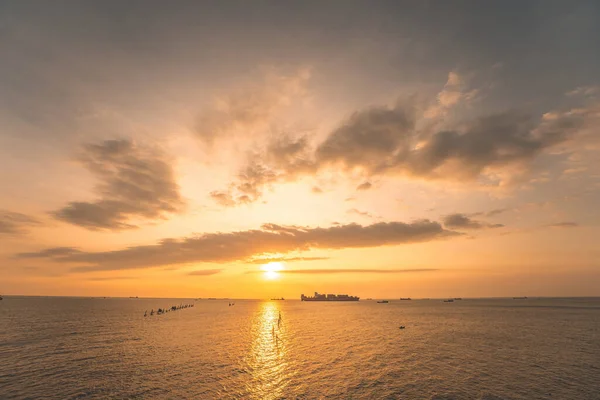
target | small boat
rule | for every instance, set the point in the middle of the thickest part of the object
(458, 298)
(369, 298)
(520, 298)
(449, 301)
(278, 299)
(402, 327)
(405, 298)
(383, 301)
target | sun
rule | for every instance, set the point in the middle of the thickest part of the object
(272, 269)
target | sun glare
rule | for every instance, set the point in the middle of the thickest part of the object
(272, 269)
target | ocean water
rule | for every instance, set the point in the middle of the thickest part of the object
(84, 348)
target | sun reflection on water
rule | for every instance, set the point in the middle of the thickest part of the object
(267, 360)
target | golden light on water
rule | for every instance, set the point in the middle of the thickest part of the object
(271, 270)
(268, 356)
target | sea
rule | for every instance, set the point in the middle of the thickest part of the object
(105, 348)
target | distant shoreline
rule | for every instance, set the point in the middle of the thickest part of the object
(294, 299)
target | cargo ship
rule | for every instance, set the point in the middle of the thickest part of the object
(329, 297)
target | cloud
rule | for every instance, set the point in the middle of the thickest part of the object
(567, 224)
(284, 259)
(250, 107)
(355, 271)
(494, 151)
(491, 213)
(368, 139)
(135, 183)
(361, 213)
(243, 245)
(251, 182)
(451, 95)
(51, 252)
(205, 272)
(382, 140)
(462, 221)
(585, 91)
(12, 223)
(285, 158)
(572, 171)
(361, 141)
(364, 186)
(116, 278)
(223, 198)
(490, 148)
(497, 211)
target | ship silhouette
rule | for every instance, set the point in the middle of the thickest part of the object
(329, 297)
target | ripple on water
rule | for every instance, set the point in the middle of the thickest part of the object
(476, 349)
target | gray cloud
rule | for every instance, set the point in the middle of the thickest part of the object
(205, 272)
(51, 252)
(584, 91)
(462, 221)
(491, 213)
(135, 183)
(496, 149)
(12, 223)
(370, 139)
(364, 186)
(498, 140)
(497, 211)
(566, 224)
(243, 245)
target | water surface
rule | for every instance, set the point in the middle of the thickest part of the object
(68, 348)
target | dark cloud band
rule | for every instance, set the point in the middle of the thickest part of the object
(135, 183)
(244, 245)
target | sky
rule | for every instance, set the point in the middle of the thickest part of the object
(267, 149)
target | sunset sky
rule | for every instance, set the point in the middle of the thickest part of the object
(375, 148)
